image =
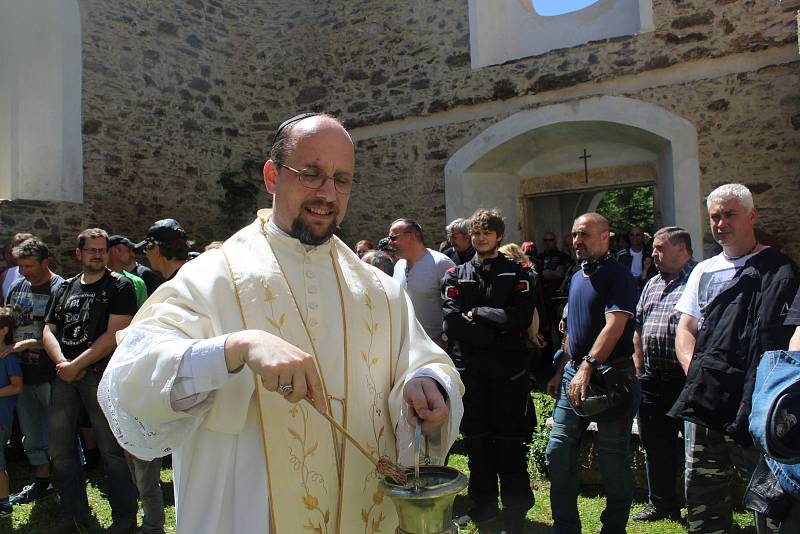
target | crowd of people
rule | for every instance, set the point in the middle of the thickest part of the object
(383, 338)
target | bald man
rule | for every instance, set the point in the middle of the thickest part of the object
(602, 303)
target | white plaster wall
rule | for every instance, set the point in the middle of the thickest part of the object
(679, 170)
(502, 30)
(40, 100)
(603, 154)
(491, 191)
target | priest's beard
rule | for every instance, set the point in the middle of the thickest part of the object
(308, 235)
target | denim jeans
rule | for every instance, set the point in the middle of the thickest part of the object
(65, 401)
(613, 439)
(32, 409)
(777, 371)
(147, 475)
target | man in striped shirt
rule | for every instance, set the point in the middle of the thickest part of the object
(659, 372)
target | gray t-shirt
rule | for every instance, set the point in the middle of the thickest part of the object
(423, 283)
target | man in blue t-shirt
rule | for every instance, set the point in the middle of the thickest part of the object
(602, 302)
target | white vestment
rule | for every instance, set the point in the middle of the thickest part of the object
(220, 474)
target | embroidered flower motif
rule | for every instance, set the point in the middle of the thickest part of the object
(310, 501)
(308, 477)
(371, 522)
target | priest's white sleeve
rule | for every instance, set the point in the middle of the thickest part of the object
(424, 358)
(137, 392)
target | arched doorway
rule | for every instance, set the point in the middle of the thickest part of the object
(532, 165)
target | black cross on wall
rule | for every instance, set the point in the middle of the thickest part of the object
(585, 159)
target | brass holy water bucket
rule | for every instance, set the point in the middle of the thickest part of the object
(429, 509)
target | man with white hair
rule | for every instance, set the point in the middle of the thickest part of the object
(459, 239)
(733, 310)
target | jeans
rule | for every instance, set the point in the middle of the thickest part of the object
(65, 402)
(660, 437)
(147, 475)
(613, 440)
(33, 405)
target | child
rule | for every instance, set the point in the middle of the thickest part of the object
(10, 386)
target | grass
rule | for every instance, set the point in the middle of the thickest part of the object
(590, 505)
(35, 517)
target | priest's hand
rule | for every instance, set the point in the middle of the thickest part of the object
(277, 362)
(425, 402)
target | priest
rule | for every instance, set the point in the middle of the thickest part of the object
(230, 365)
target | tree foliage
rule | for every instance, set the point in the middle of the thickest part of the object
(632, 206)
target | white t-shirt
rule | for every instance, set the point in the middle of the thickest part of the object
(423, 283)
(708, 280)
(636, 262)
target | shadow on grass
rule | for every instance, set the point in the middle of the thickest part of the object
(462, 504)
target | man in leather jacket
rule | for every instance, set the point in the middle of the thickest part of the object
(733, 309)
(488, 305)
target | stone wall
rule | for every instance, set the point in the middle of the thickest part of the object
(176, 93)
(747, 131)
(390, 59)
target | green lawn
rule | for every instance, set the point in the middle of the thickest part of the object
(33, 518)
(590, 506)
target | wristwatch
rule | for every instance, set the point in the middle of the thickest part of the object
(591, 359)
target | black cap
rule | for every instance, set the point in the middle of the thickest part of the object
(288, 122)
(163, 230)
(120, 240)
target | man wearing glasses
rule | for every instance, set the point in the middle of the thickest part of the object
(420, 271)
(79, 337)
(236, 364)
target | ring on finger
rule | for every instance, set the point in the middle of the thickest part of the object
(285, 389)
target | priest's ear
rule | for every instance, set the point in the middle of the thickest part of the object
(270, 173)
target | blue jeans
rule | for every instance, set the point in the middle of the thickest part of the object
(65, 401)
(32, 409)
(613, 439)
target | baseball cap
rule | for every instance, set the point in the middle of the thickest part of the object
(120, 240)
(163, 230)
